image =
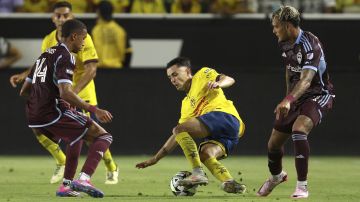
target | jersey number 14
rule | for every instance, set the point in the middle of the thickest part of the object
(40, 71)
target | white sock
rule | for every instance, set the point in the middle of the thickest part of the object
(66, 182)
(84, 176)
(301, 184)
(198, 170)
(278, 177)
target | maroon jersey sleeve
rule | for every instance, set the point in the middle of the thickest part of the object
(313, 53)
(64, 68)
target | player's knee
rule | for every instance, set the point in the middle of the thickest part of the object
(274, 146)
(106, 137)
(204, 155)
(179, 129)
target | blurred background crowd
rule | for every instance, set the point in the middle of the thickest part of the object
(226, 7)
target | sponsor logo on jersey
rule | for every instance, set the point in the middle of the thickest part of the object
(294, 69)
(299, 57)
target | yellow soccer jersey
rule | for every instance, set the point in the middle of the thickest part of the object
(110, 43)
(200, 100)
(87, 54)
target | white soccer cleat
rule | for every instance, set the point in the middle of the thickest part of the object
(234, 187)
(112, 177)
(300, 193)
(194, 179)
(58, 174)
(270, 184)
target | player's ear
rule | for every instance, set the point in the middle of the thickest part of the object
(73, 36)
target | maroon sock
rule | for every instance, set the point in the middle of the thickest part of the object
(96, 152)
(72, 159)
(275, 161)
(302, 150)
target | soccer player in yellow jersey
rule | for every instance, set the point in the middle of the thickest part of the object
(205, 114)
(85, 71)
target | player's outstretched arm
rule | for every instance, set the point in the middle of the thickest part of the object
(222, 81)
(19, 78)
(68, 95)
(168, 147)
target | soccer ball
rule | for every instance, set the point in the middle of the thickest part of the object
(178, 190)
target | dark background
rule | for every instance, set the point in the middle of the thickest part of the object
(146, 106)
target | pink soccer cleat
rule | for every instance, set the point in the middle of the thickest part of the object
(87, 187)
(300, 193)
(270, 184)
(66, 191)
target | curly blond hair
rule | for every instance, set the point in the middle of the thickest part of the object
(287, 14)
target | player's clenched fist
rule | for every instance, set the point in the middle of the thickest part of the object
(103, 116)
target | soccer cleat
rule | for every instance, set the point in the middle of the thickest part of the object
(300, 193)
(66, 191)
(58, 174)
(270, 184)
(86, 187)
(112, 176)
(232, 186)
(194, 179)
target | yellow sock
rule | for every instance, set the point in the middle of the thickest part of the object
(53, 148)
(189, 148)
(109, 161)
(217, 169)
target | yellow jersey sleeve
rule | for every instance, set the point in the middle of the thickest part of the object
(49, 41)
(201, 100)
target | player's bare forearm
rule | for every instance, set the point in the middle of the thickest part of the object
(167, 148)
(303, 84)
(25, 89)
(89, 74)
(69, 95)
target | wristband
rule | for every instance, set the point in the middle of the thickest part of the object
(290, 98)
(92, 108)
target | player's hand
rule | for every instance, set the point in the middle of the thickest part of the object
(282, 109)
(146, 163)
(103, 116)
(16, 79)
(213, 85)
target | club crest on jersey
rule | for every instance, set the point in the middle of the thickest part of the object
(192, 102)
(299, 57)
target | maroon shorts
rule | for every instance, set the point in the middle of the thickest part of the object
(314, 108)
(71, 127)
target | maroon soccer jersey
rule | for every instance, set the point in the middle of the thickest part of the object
(54, 66)
(307, 53)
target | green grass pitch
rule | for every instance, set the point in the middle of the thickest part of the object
(26, 178)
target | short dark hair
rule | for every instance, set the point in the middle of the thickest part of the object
(287, 14)
(105, 9)
(179, 61)
(72, 26)
(61, 4)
